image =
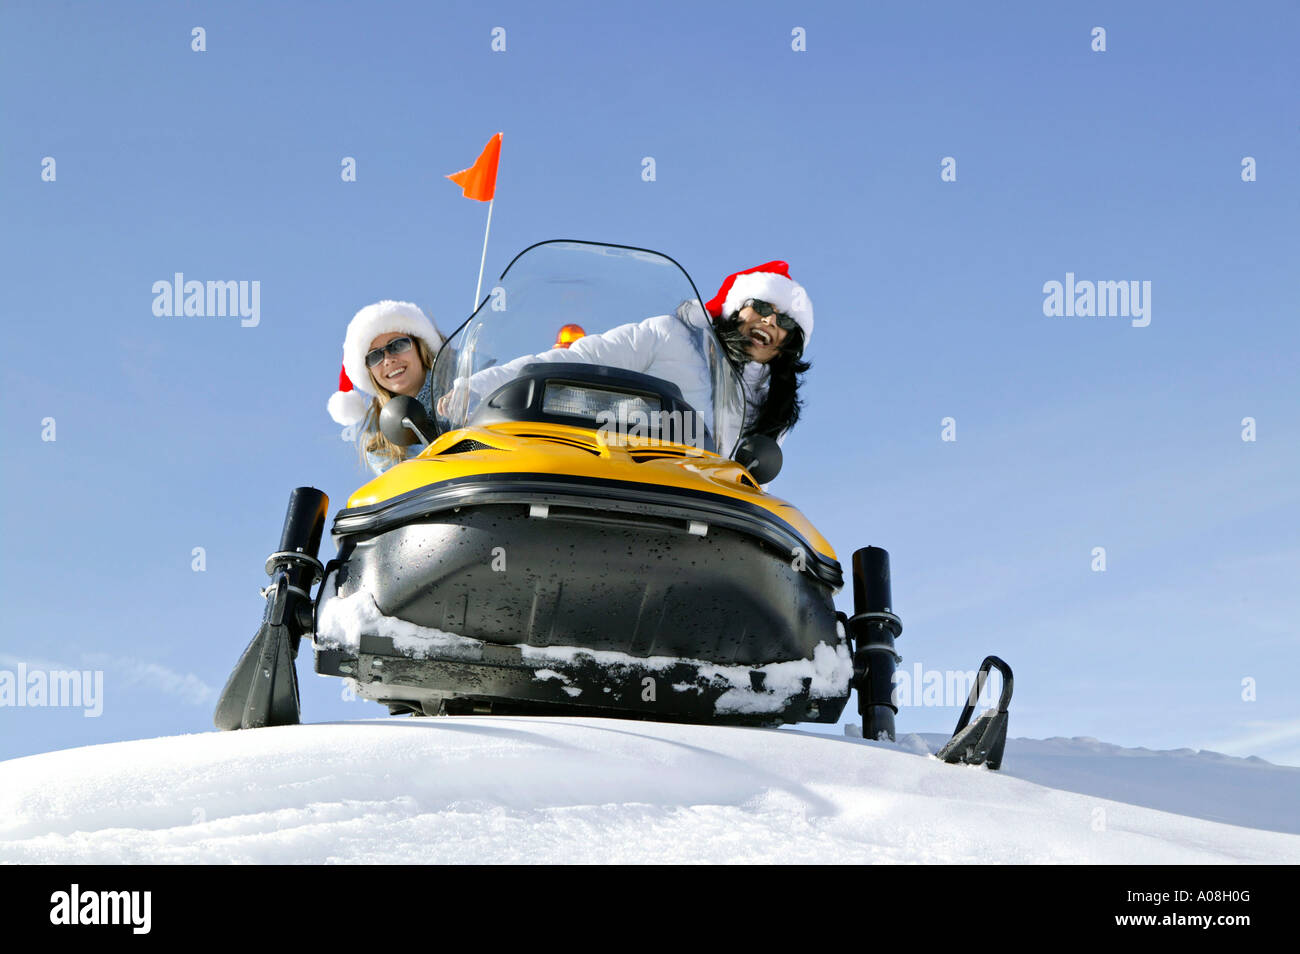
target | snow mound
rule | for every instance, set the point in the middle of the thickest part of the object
(500, 789)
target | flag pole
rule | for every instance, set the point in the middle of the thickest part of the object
(479, 287)
(479, 182)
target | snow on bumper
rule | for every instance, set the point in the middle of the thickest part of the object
(343, 621)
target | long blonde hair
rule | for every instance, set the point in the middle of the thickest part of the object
(371, 438)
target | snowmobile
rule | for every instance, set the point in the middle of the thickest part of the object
(581, 539)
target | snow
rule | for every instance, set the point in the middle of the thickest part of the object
(343, 620)
(507, 789)
(1206, 784)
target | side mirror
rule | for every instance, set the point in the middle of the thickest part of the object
(761, 456)
(404, 421)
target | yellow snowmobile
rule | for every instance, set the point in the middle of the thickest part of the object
(578, 538)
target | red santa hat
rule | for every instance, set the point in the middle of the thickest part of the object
(770, 283)
(348, 404)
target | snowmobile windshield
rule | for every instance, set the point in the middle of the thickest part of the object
(605, 305)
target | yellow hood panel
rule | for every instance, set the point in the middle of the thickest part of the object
(542, 448)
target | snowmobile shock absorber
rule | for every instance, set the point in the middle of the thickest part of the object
(304, 523)
(874, 627)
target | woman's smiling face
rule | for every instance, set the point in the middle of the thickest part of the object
(764, 334)
(400, 373)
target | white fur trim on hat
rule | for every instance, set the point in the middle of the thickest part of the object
(347, 407)
(785, 293)
(381, 318)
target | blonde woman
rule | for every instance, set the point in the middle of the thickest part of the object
(388, 350)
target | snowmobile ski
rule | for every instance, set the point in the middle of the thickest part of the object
(981, 742)
(263, 688)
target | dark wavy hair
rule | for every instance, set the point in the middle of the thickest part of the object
(780, 409)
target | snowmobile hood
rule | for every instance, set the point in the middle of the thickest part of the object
(544, 464)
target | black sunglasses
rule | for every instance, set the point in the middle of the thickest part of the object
(396, 346)
(766, 309)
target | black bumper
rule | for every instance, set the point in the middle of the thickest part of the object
(504, 681)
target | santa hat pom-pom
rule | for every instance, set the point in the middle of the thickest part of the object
(347, 407)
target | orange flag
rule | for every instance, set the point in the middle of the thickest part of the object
(479, 181)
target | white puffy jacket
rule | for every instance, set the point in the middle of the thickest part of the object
(671, 347)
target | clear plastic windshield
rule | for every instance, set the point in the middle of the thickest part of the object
(597, 304)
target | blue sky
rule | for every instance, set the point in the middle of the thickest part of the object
(1072, 433)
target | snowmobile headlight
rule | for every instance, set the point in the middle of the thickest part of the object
(575, 401)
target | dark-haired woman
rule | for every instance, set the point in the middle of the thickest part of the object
(762, 318)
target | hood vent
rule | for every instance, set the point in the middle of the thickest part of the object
(465, 446)
(567, 442)
(641, 456)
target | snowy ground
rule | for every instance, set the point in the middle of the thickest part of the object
(402, 791)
